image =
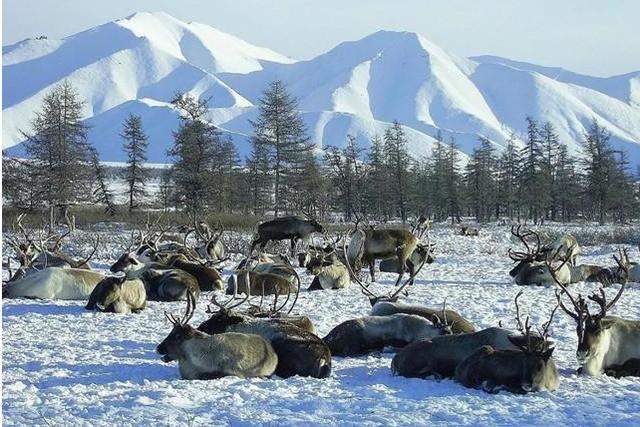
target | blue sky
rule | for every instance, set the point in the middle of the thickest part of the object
(588, 36)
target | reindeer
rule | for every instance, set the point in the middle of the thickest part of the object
(329, 271)
(54, 283)
(209, 278)
(440, 356)
(202, 356)
(607, 275)
(33, 256)
(605, 343)
(363, 335)
(161, 282)
(212, 247)
(286, 228)
(374, 298)
(299, 351)
(368, 245)
(531, 267)
(253, 282)
(457, 323)
(118, 295)
(565, 246)
(529, 368)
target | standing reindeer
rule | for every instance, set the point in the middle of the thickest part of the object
(368, 245)
(605, 343)
(286, 228)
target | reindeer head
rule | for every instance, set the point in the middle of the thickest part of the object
(171, 347)
(589, 327)
(127, 262)
(532, 253)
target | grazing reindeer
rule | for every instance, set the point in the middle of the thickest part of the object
(363, 335)
(457, 323)
(202, 356)
(286, 228)
(118, 295)
(299, 351)
(604, 342)
(161, 282)
(529, 368)
(54, 283)
(531, 268)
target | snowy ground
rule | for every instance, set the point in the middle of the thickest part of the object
(63, 365)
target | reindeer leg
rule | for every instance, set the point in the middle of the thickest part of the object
(402, 265)
(372, 269)
(412, 269)
(293, 246)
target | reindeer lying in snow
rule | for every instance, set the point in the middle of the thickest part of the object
(363, 335)
(299, 351)
(457, 323)
(440, 356)
(529, 368)
(118, 295)
(202, 356)
(161, 283)
(54, 283)
(531, 267)
(605, 343)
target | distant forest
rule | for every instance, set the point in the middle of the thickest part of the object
(534, 178)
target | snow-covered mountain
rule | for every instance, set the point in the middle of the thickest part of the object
(136, 64)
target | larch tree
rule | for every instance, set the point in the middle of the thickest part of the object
(58, 147)
(281, 135)
(135, 146)
(194, 149)
(398, 163)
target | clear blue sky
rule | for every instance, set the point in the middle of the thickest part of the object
(599, 37)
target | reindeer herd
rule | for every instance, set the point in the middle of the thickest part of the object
(255, 332)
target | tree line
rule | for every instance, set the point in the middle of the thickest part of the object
(533, 178)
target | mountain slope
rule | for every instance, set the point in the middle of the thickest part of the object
(138, 63)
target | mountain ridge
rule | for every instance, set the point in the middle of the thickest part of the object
(137, 63)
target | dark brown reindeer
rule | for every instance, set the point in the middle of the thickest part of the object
(286, 228)
(530, 368)
(605, 343)
(202, 356)
(440, 356)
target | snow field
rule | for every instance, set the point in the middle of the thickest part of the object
(63, 365)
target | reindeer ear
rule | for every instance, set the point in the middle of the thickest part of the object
(548, 353)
